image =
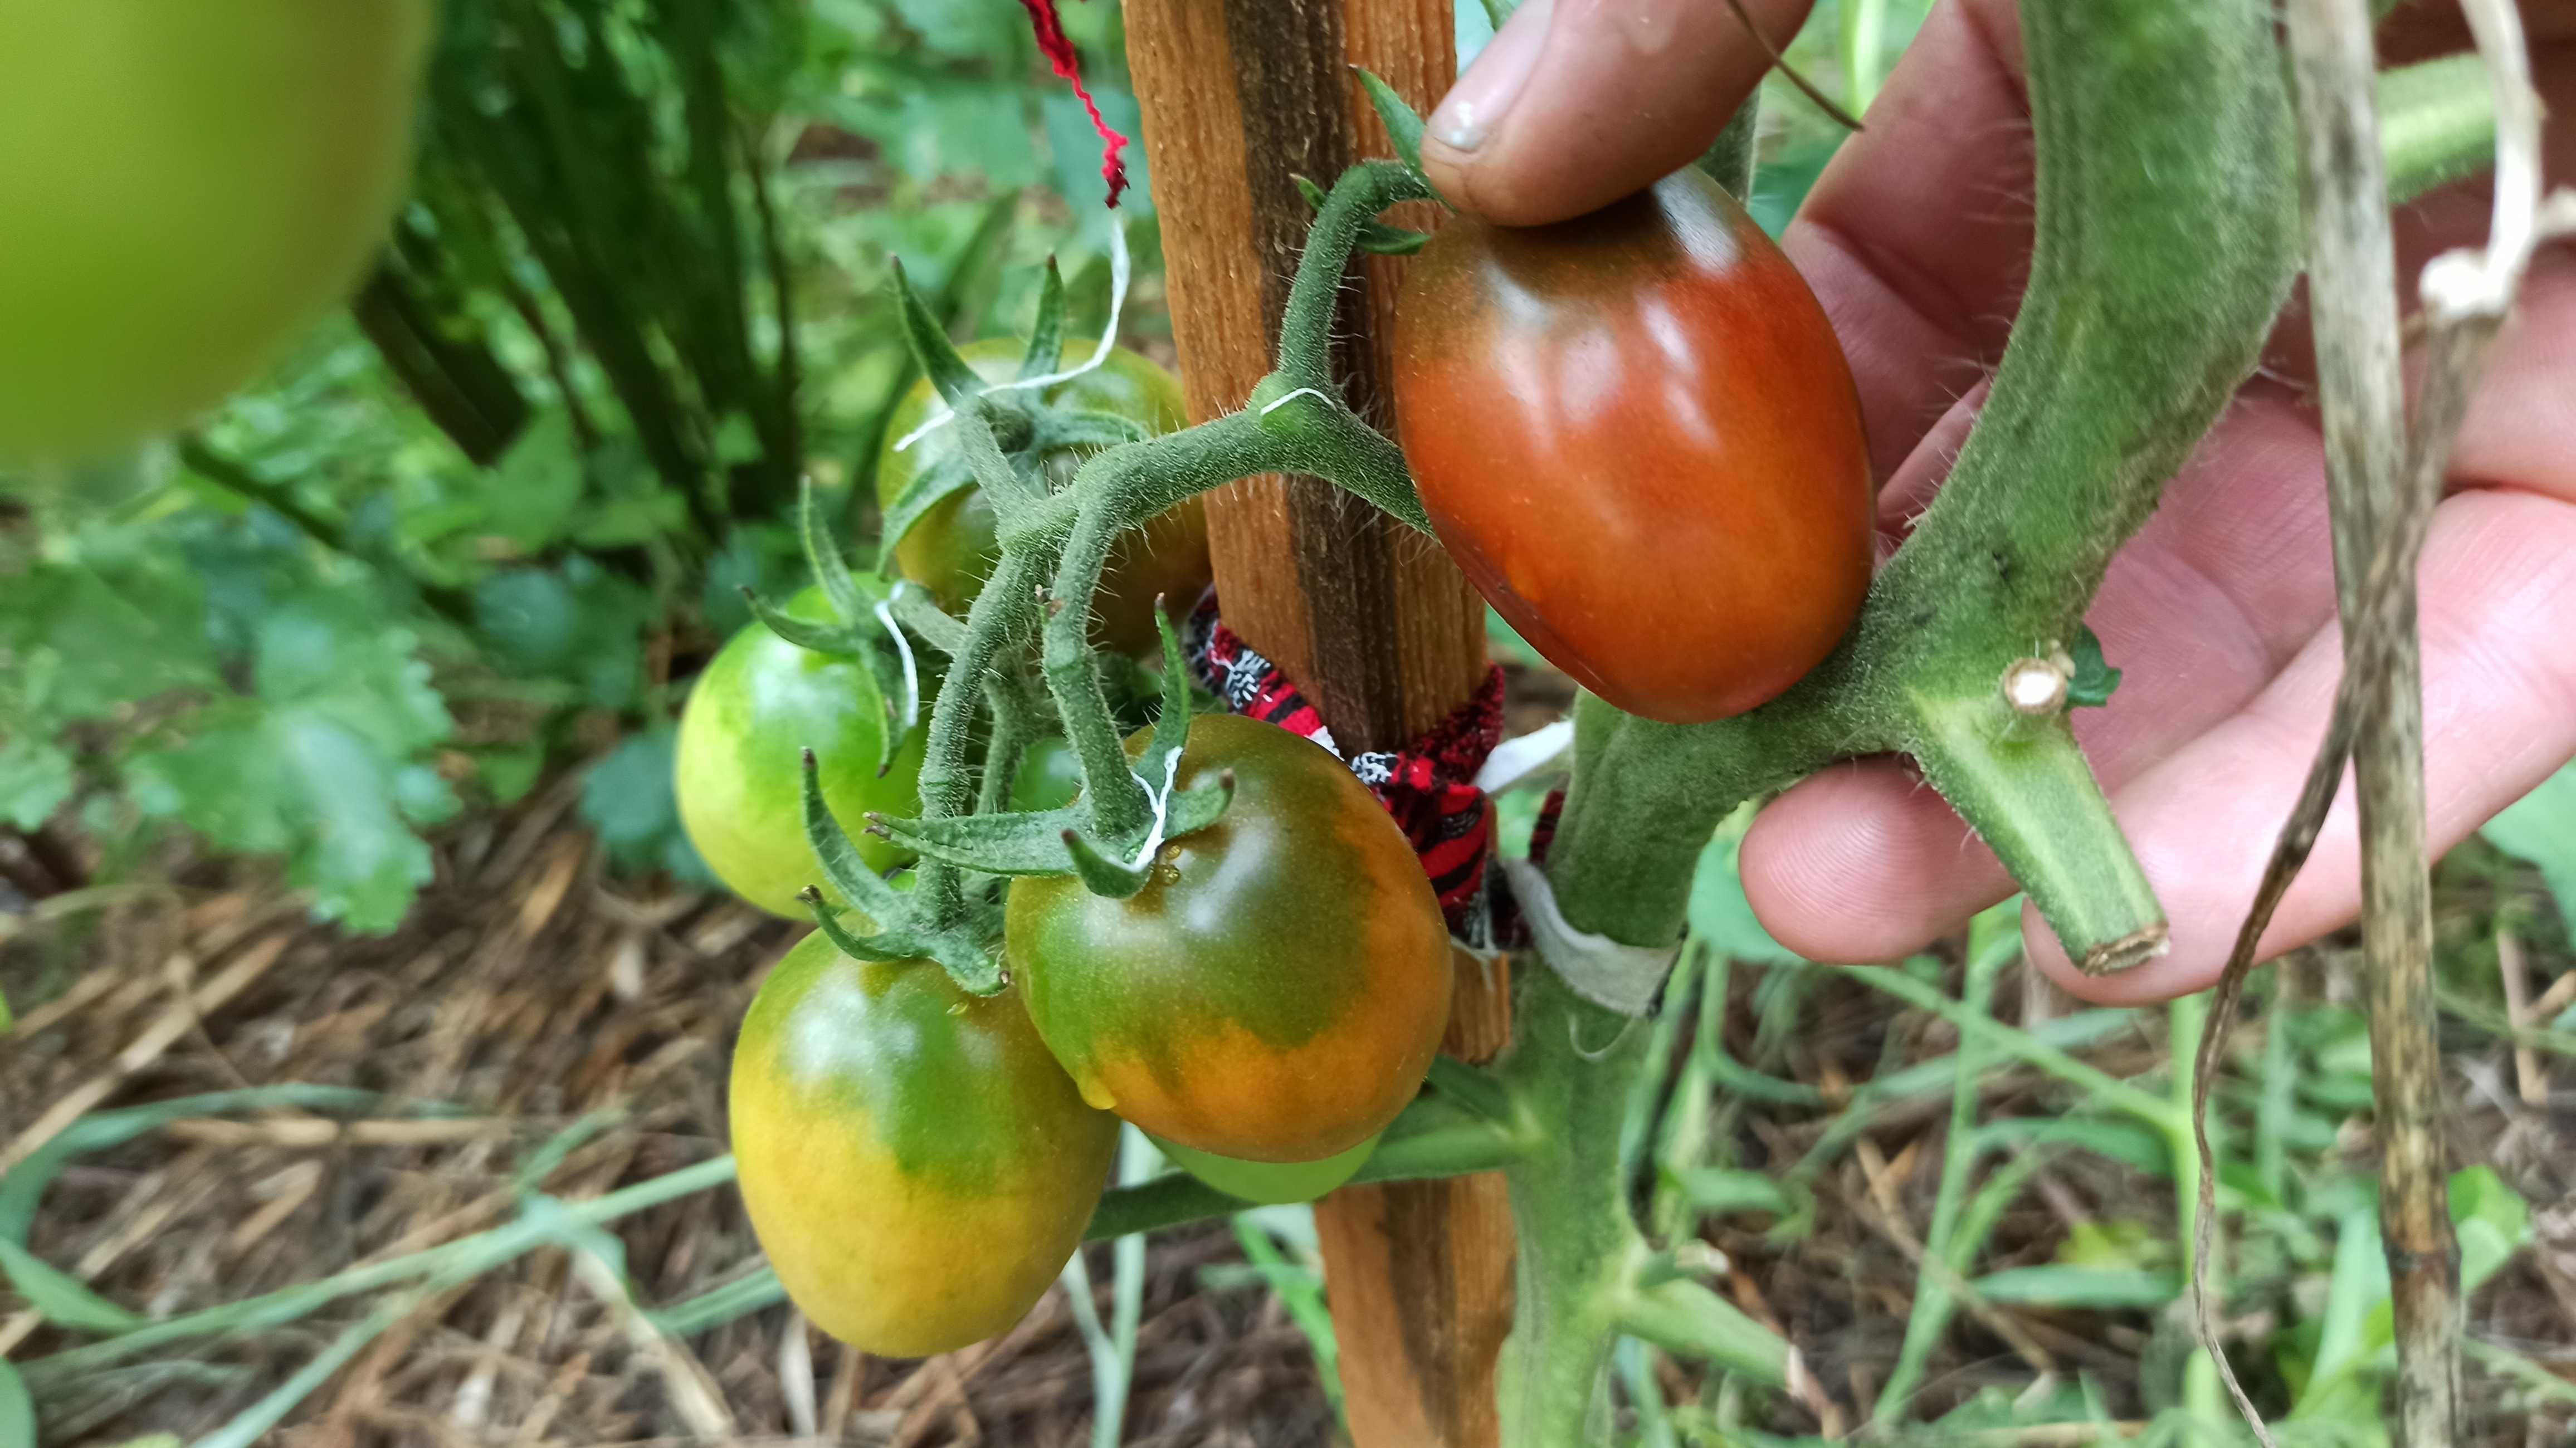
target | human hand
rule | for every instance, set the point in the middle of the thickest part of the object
(2221, 611)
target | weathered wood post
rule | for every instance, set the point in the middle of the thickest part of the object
(1240, 98)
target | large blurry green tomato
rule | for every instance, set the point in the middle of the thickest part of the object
(184, 186)
(740, 768)
(950, 551)
(1278, 988)
(916, 1165)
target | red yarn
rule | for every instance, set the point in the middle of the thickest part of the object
(1068, 66)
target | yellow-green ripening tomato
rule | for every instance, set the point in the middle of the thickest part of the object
(1268, 1183)
(184, 186)
(740, 771)
(916, 1165)
(951, 549)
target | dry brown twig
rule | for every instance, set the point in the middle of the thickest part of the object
(2385, 479)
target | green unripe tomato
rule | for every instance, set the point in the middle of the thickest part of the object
(1049, 777)
(739, 762)
(916, 1165)
(1268, 1183)
(187, 185)
(950, 551)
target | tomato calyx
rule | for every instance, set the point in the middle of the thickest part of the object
(1071, 839)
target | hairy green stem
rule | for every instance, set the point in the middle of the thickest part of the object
(2030, 795)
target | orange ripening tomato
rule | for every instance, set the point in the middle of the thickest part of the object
(1637, 434)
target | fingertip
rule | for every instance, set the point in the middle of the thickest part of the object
(1576, 103)
(1862, 862)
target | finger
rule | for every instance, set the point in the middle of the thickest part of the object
(1917, 236)
(1576, 103)
(2499, 716)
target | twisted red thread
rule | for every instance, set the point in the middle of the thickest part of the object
(1068, 66)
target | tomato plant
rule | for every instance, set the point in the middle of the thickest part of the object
(1279, 986)
(758, 705)
(1636, 432)
(189, 186)
(951, 549)
(888, 1126)
(1268, 1183)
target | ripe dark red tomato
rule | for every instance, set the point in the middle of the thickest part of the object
(1636, 432)
(1276, 990)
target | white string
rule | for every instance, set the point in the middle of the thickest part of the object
(1516, 760)
(1623, 978)
(911, 672)
(1121, 266)
(1276, 403)
(1162, 800)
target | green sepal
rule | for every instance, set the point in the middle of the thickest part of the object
(918, 612)
(1172, 724)
(863, 888)
(1385, 240)
(1033, 843)
(823, 555)
(839, 641)
(929, 488)
(1017, 843)
(1102, 876)
(2094, 678)
(1374, 236)
(965, 955)
(1046, 338)
(1403, 124)
(931, 348)
(1061, 428)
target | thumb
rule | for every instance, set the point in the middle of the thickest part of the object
(1577, 103)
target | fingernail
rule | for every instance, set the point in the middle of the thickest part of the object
(1484, 95)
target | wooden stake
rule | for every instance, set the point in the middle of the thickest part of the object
(1240, 98)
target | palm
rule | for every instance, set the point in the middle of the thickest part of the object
(2222, 609)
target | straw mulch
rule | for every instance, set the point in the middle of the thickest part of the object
(527, 991)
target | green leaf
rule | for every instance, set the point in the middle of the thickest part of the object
(1018, 843)
(2094, 679)
(1110, 879)
(17, 1410)
(631, 803)
(321, 766)
(2095, 1287)
(2541, 828)
(579, 624)
(64, 1300)
(2492, 1220)
(509, 771)
(35, 779)
(1714, 1191)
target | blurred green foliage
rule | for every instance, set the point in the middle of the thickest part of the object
(488, 515)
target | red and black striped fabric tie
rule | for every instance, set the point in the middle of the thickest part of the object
(1429, 787)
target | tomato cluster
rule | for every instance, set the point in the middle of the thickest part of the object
(1264, 1005)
